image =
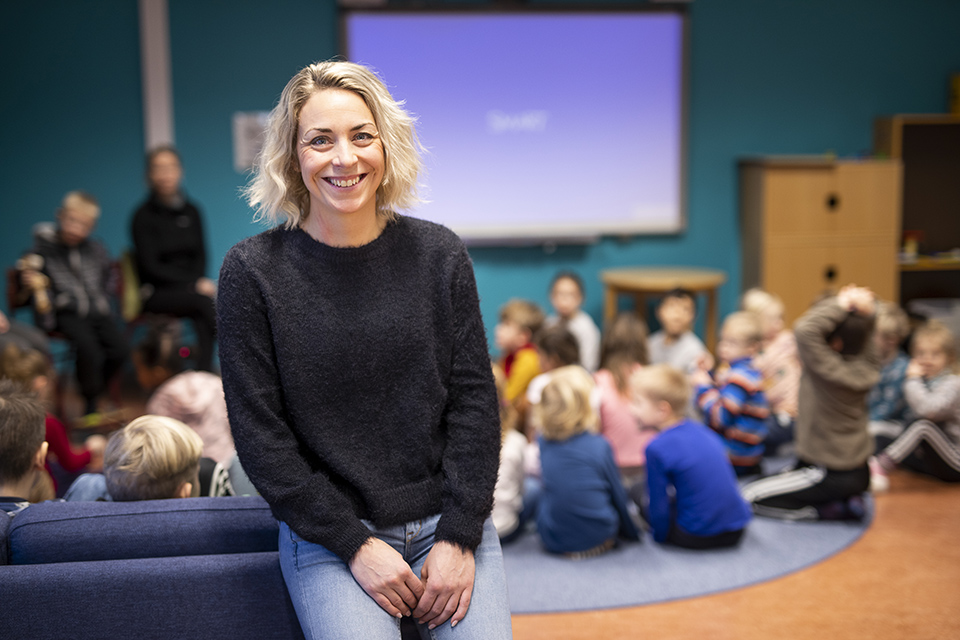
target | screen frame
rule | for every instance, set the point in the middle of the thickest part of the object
(537, 235)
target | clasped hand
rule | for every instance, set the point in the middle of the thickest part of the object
(442, 592)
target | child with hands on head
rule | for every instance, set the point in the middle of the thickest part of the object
(930, 445)
(583, 508)
(734, 403)
(693, 497)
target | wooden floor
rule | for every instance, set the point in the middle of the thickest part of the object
(900, 580)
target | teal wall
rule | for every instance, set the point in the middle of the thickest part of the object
(765, 76)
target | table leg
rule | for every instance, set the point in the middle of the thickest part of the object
(711, 337)
(609, 305)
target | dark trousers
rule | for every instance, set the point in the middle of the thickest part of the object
(681, 538)
(797, 493)
(100, 351)
(186, 303)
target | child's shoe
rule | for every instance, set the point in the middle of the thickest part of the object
(879, 480)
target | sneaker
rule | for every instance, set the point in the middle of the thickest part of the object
(879, 480)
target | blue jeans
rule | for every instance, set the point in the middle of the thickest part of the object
(331, 604)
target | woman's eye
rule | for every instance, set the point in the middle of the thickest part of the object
(364, 138)
(320, 141)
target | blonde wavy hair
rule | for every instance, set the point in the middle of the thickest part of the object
(277, 192)
(564, 408)
(151, 458)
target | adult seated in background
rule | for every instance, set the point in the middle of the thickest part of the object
(70, 283)
(170, 253)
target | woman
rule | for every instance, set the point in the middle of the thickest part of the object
(357, 376)
(171, 255)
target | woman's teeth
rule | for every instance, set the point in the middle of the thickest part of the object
(343, 183)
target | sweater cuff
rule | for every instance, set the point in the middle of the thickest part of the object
(461, 529)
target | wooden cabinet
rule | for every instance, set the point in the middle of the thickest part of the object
(813, 224)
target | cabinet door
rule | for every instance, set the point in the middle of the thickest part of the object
(796, 200)
(868, 196)
(870, 264)
(799, 271)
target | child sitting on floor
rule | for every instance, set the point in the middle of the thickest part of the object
(583, 508)
(152, 458)
(733, 403)
(779, 364)
(508, 499)
(840, 366)
(930, 445)
(519, 321)
(675, 343)
(694, 500)
(566, 297)
(22, 447)
(889, 412)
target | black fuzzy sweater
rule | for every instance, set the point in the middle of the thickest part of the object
(358, 382)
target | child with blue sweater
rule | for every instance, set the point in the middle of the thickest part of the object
(694, 499)
(733, 402)
(583, 508)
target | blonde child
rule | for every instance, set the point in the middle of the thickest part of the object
(778, 363)
(623, 352)
(932, 389)
(152, 458)
(888, 408)
(33, 371)
(733, 403)
(508, 498)
(583, 507)
(693, 497)
(675, 343)
(22, 447)
(566, 298)
(519, 321)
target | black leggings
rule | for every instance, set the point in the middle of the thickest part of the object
(100, 351)
(184, 302)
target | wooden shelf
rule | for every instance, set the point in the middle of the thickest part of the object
(927, 263)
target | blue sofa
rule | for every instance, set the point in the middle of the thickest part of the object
(192, 568)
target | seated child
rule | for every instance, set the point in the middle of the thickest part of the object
(623, 352)
(840, 366)
(508, 498)
(583, 508)
(152, 458)
(930, 445)
(556, 347)
(33, 371)
(734, 404)
(22, 447)
(694, 500)
(519, 321)
(566, 297)
(675, 343)
(779, 364)
(889, 412)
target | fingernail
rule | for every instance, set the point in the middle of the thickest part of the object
(454, 623)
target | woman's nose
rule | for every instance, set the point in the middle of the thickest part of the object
(343, 154)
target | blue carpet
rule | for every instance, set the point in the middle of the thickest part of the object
(646, 572)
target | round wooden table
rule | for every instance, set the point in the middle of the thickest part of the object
(643, 281)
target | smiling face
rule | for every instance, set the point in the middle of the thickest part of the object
(340, 153)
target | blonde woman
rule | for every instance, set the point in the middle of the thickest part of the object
(357, 377)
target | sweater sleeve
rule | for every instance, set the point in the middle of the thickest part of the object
(657, 482)
(939, 403)
(526, 367)
(860, 372)
(472, 454)
(299, 494)
(59, 443)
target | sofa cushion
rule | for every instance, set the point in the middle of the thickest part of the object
(90, 531)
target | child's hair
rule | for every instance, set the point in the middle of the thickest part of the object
(151, 458)
(557, 342)
(757, 300)
(564, 407)
(745, 325)
(23, 367)
(940, 333)
(892, 320)
(662, 383)
(22, 430)
(623, 345)
(83, 202)
(508, 413)
(679, 293)
(853, 332)
(571, 276)
(524, 313)
(159, 348)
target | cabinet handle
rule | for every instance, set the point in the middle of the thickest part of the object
(833, 201)
(830, 273)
